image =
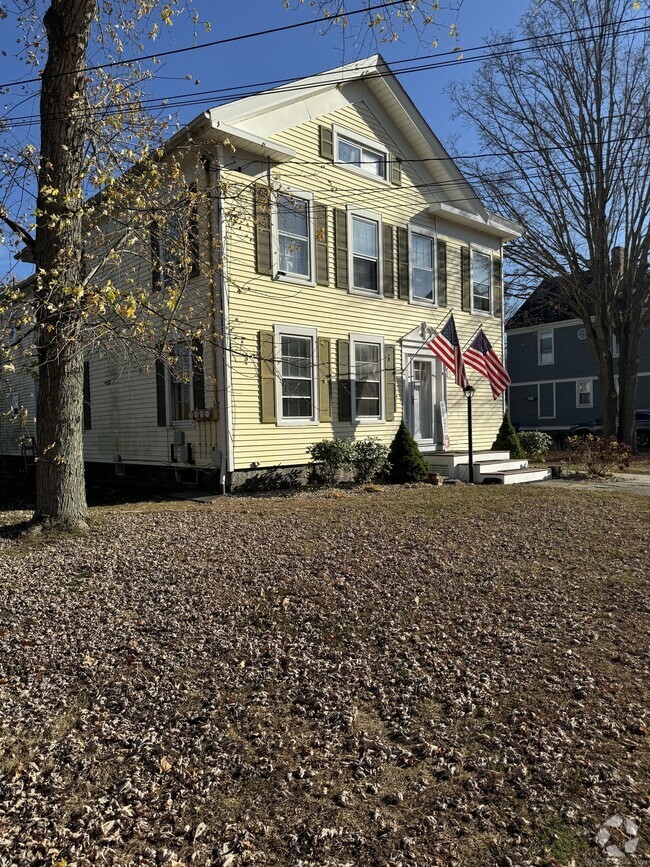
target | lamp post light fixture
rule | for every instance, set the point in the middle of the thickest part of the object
(468, 391)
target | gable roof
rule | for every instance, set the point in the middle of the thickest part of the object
(252, 121)
(540, 308)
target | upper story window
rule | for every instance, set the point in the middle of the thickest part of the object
(355, 152)
(545, 347)
(481, 282)
(365, 252)
(423, 262)
(294, 241)
(296, 381)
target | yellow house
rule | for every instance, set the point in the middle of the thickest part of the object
(341, 236)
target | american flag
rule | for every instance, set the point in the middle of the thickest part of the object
(446, 346)
(483, 359)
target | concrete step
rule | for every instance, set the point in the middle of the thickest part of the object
(484, 467)
(515, 477)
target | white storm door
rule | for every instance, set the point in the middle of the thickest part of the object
(423, 386)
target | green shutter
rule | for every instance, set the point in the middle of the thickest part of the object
(324, 379)
(320, 227)
(341, 248)
(389, 278)
(267, 377)
(326, 142)
(87, 413)
(395, 170)
(442, 274)
(389, 361)
(198, 375)
(403, 263)
(465, 279)
(161, 393)
(497, 284)
(156, 264)
(263, 260)
(344, 384)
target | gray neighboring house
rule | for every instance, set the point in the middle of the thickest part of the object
(554, 370)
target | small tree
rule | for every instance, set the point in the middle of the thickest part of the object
(507, 440)
(406, 461)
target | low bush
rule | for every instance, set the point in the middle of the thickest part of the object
(406, 461)
(507, 440)
(536, 444)
(599, 455)
(328, 460)
(369, 459)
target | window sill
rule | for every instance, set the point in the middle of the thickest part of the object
(364, 293)
(360, 173)
(368, 421)
(545, 363)
(422, 302)
(294, 281)
(298, 422)
(482, 313)
(182, 424)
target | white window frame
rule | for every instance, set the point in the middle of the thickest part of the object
(186, 422)
(284, 330)
(275, 238)
(367, 338)
(431, 234)
(589, 405)
(616, 347)
(370, 216)
(539, 400)
(476, 248)
(360, 141)
(550, 331)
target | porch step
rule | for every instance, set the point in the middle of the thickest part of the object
(484, 467)
(516, 477)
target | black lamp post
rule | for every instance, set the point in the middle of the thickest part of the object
(468, 391)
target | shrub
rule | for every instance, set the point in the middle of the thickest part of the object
(370, 457)
(406, 462)
(536, 444)
(273, 479)
(598, 454)
(329, 458)
(507, 440)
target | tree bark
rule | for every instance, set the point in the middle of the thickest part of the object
(58, 254)
(628, 368)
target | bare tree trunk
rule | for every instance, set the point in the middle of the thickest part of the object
(609, 396)
(58, 253)
(628, 368)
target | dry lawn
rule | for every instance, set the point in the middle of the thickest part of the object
(409, 677)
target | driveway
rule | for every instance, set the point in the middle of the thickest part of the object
(630, 483)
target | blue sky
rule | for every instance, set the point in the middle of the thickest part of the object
(291, 54)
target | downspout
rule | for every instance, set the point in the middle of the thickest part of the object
(225, 377)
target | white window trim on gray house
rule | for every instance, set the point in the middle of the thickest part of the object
(591, 393)
(539, 400)
(541, 333)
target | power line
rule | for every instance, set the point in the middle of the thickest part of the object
(243, 91)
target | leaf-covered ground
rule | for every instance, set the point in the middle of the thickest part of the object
(419, 677)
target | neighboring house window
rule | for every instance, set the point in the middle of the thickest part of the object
(294, 228)
(422, 257)
(365, 252)
(296, 378)
(545, 347)
(584, 393)
(481, 282)
(368, 377)
(616, 348)
(180, 384)
(357, 155)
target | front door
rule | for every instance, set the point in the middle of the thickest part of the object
(422, 400)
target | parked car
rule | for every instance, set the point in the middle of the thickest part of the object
(595, 427)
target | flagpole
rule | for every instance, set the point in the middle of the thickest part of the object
(426, 340)
(473, 336)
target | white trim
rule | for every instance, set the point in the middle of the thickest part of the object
(360, 141)
(370, 216)
(280, 331)
(275, 238)
(356, 337)
(550, 331)
(414, 229)
(589, 405)
(489, 253)
(544, 325)
(539, 401)
(542, 381)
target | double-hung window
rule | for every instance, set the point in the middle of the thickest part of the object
(481, 282)
(368, 376)
(296, 380)
(545, 348)
(357, 155)
(423, 262)
(366, 252)
(584, 393)
(180, 372)
(294, 237)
